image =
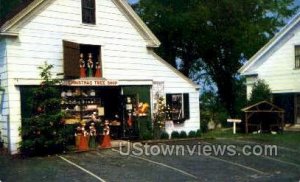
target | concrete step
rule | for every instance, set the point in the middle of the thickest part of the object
(292, 127)
(119, 143)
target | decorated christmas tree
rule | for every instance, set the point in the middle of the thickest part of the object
(161, 114)
(43, 132)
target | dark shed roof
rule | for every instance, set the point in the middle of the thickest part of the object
(263, 106)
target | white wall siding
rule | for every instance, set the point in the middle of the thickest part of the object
(124, 52)
(278, 66)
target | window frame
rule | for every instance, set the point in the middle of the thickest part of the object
(85, 9)
(71, 57)
(297, 57)
(185, 106)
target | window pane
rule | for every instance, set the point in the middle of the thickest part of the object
(297, 62)
(88, 11)
(297, 51)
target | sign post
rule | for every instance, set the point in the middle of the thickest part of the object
(234, 121)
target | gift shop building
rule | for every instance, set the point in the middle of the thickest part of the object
(105, 55)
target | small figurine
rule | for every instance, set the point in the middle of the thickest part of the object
(82, 67)
(94, 117)
(90, 65)
(98, 73)
(93, 134)
(83, 144)
(78, 134)
(129, 108)
(106, 138)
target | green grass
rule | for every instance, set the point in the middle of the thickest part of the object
(221, 133)
(287, 139)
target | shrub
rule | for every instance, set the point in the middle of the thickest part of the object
(183, 134)
(147, 135)
(260, 92)
(212, 109)
(192, 134)
(198, 133)
(164, 135)
(175, 134)
(204, 126)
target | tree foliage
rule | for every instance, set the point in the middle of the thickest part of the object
(260, 92)
(7, 5)
(43, 132)
(216, 36)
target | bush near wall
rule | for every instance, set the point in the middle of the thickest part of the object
(183, 134)
(164, 135)
(192, 134)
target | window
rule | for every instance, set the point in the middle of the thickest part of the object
(297, 57)
(88, 11)
(179, 106)
(82, 60)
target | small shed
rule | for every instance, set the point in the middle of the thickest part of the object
(263, 116)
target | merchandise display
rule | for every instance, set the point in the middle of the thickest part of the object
(79, 106)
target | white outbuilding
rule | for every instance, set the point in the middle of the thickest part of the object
(105, 53)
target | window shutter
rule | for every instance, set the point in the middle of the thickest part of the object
(169, 100)
(186, 105)
(71, 59)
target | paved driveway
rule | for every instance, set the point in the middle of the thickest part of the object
(138, 165)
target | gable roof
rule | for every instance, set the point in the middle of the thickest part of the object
(181, 75)
(263, 106)
(29, 5)
(289, 26)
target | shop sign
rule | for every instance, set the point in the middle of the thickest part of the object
(80, 82)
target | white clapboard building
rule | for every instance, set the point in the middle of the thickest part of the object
(119, 74)
(278, 63)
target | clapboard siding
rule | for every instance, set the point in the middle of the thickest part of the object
(124, 53)
(278, 67)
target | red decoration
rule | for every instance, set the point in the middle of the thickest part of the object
(83, 143)
(82, 66)
(98, 73)
(129, 120)
(106, 143)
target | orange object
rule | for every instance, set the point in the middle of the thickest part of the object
(82, 72)
(98, 73)
(106, 143)
(106, 138)
(77, 141)
(83, 143)
(129, 121)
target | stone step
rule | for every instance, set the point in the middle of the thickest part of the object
(292, 127)
(118, 143)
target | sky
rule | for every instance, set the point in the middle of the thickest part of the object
(134, 1)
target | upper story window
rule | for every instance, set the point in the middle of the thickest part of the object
(81, 61)
(88, 11)
(297, 57)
